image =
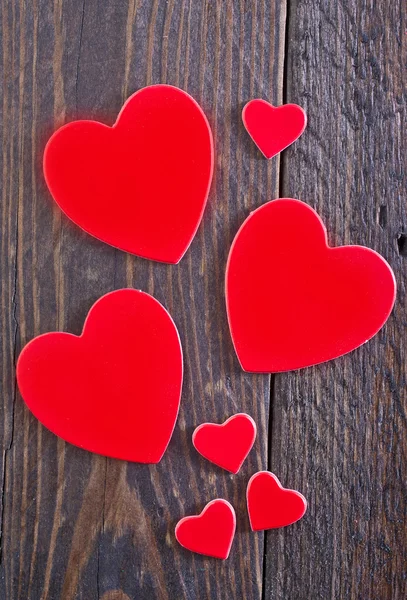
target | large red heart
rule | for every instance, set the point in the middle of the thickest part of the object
(270, 505)
(293, 301)
(142, 184)
(210, 533)
(115, 389)
(273, 128)
(226, 445)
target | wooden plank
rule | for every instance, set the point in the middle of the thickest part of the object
(339, 430)
(82, 526)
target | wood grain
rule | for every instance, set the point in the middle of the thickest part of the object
(339, 430)
(75, 525)
(78, 526)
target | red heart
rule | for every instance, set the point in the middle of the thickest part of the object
(293, 301)
(270, 505)
(273, 128)
(142, 184)
(226, 445)
(115, 389)
(210, 533)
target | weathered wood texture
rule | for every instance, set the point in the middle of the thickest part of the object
(75, 525)
(339, 431)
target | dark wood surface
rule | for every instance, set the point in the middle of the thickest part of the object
(79, 526)
(339, 430)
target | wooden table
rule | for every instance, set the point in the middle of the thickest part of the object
(80, 526)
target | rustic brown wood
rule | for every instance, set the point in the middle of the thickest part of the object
(74, 525)
(77, 526)
(339, 431)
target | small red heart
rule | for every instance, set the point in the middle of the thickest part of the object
(270, 505)
(293, 301)
(115, 389)
(210, 533)
(142, 184)
(273, 128)
(226, 445)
